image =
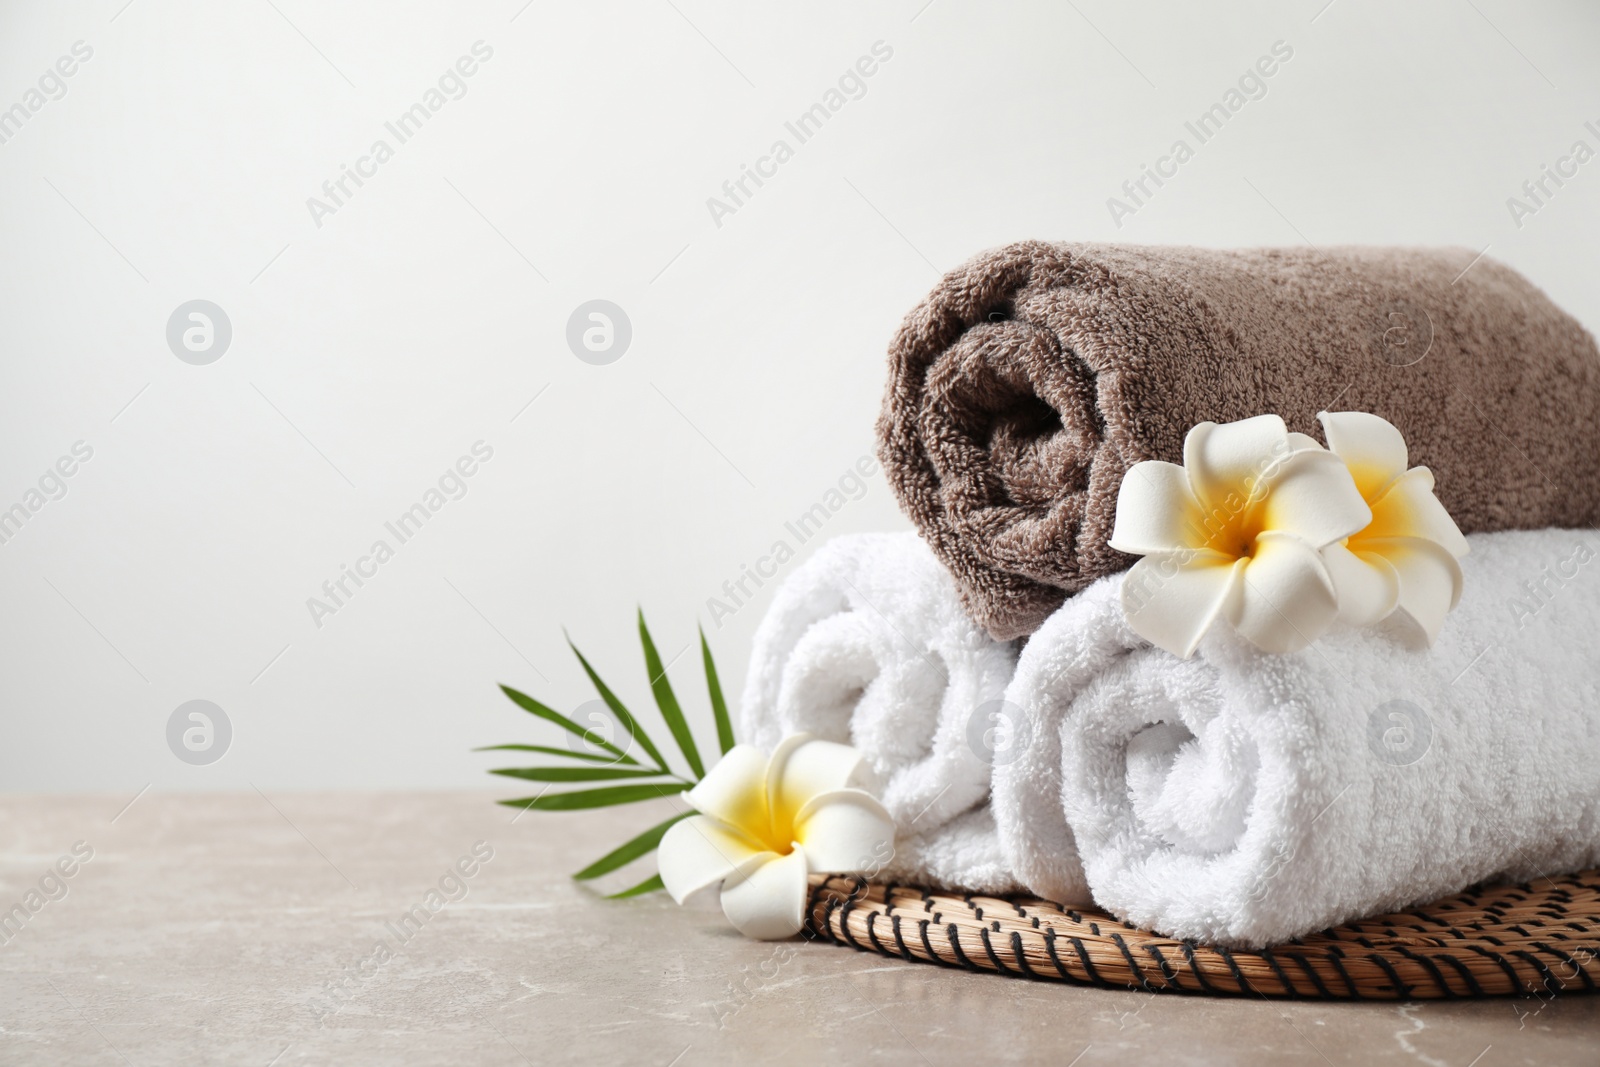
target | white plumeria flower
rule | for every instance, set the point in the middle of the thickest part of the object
(1405, 560)
(1238, 532)
(767, 823)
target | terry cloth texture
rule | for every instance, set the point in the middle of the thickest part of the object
(1243, 798)
(1023, 388)
(962, 854)
(867, 644)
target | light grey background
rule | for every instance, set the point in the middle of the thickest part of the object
(370, 352)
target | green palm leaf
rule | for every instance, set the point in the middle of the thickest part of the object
(613, 764)
(625, 854)
(575, 774)
(598, 798)
(667, 701)
(649, 885)
(624, 717)
(719, 707)
(532, 706)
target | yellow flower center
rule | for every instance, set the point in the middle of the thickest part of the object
(770, 828)
(1232, 526)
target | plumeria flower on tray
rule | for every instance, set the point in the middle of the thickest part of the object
(769, 822)
(759, 824)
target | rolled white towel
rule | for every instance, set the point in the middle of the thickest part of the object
(964, 853)
(867, 644)
(1247, 799)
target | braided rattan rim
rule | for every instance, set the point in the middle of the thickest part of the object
(1541, 938)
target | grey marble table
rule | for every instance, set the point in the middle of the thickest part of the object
(299, 928)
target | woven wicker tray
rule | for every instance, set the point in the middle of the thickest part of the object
(1490, 941)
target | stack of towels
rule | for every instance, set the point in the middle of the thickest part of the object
(1026, 739)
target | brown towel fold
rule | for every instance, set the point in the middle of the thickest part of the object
(1023, 388)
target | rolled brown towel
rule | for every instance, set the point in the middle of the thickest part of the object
(1035, 375)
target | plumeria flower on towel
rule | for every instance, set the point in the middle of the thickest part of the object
(1405, 560)
(766, 823)
(1237, 532)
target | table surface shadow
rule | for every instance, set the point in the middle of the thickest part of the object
(281, 929)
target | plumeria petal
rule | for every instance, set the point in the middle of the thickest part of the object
(1300, 442)
(1430, 580)
(1171, 600)
(735, 790)
(768, 902)
(1156, 511)
(845, 831)
(1367, 587)
(1231, 458)
(804, 767)
(1408, 508)
(1372, 446)
(701, 852)
(1286, 597)
(1312, 496)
